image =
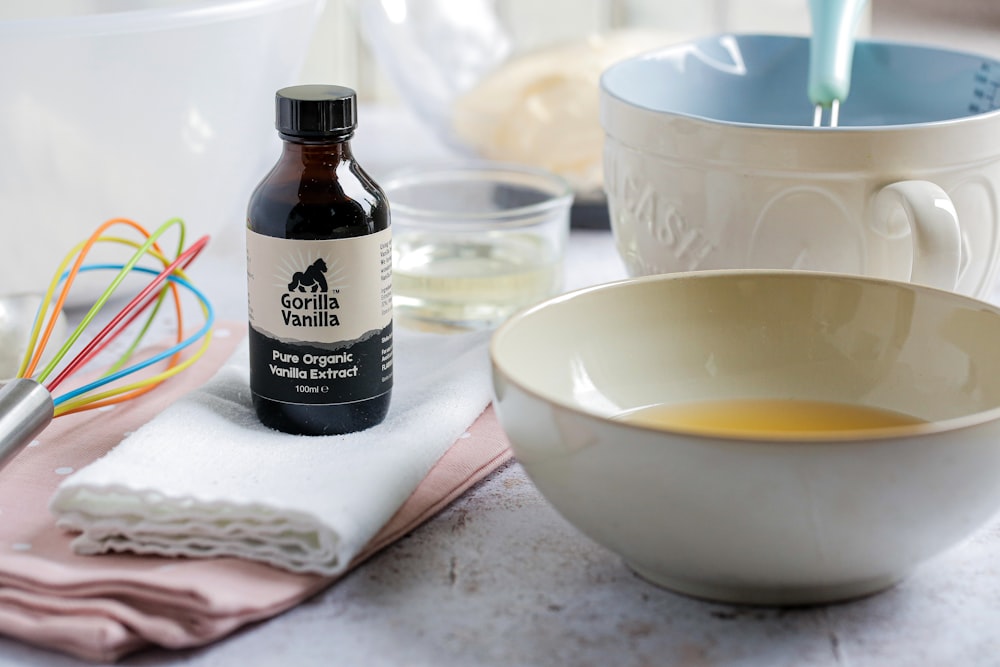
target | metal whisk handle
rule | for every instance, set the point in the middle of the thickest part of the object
(26, 408)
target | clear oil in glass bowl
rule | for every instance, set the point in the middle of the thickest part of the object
(471, 282)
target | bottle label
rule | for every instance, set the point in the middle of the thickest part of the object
(320, 318)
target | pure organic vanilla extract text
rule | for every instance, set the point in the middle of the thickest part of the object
(319, 275)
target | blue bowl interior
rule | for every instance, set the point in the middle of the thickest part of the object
(762, 79)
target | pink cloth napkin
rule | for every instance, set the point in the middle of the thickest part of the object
(102, 607)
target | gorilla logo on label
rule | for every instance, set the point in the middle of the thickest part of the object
(310, 278)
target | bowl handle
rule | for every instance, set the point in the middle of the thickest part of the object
(933, 223)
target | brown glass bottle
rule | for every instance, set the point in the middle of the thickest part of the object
(319, 275)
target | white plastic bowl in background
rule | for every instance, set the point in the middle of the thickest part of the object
(158, 110)
(506, 80)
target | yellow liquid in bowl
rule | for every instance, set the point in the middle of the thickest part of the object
(760, 417)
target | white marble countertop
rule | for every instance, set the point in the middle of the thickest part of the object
(498, 578)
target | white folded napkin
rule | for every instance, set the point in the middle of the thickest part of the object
(205, 478)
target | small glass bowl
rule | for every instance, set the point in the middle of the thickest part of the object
(474, 243)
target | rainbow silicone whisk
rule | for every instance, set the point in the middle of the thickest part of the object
(44, 390)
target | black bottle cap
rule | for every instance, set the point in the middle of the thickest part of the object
(316, 111)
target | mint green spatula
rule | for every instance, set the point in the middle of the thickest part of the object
(831, 52)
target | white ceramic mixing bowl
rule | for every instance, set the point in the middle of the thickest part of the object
(157, 110)
(801, 518)
(711, 162)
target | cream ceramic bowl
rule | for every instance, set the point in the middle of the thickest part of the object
(759, 520)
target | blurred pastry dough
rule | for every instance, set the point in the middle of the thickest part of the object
(541, 108)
